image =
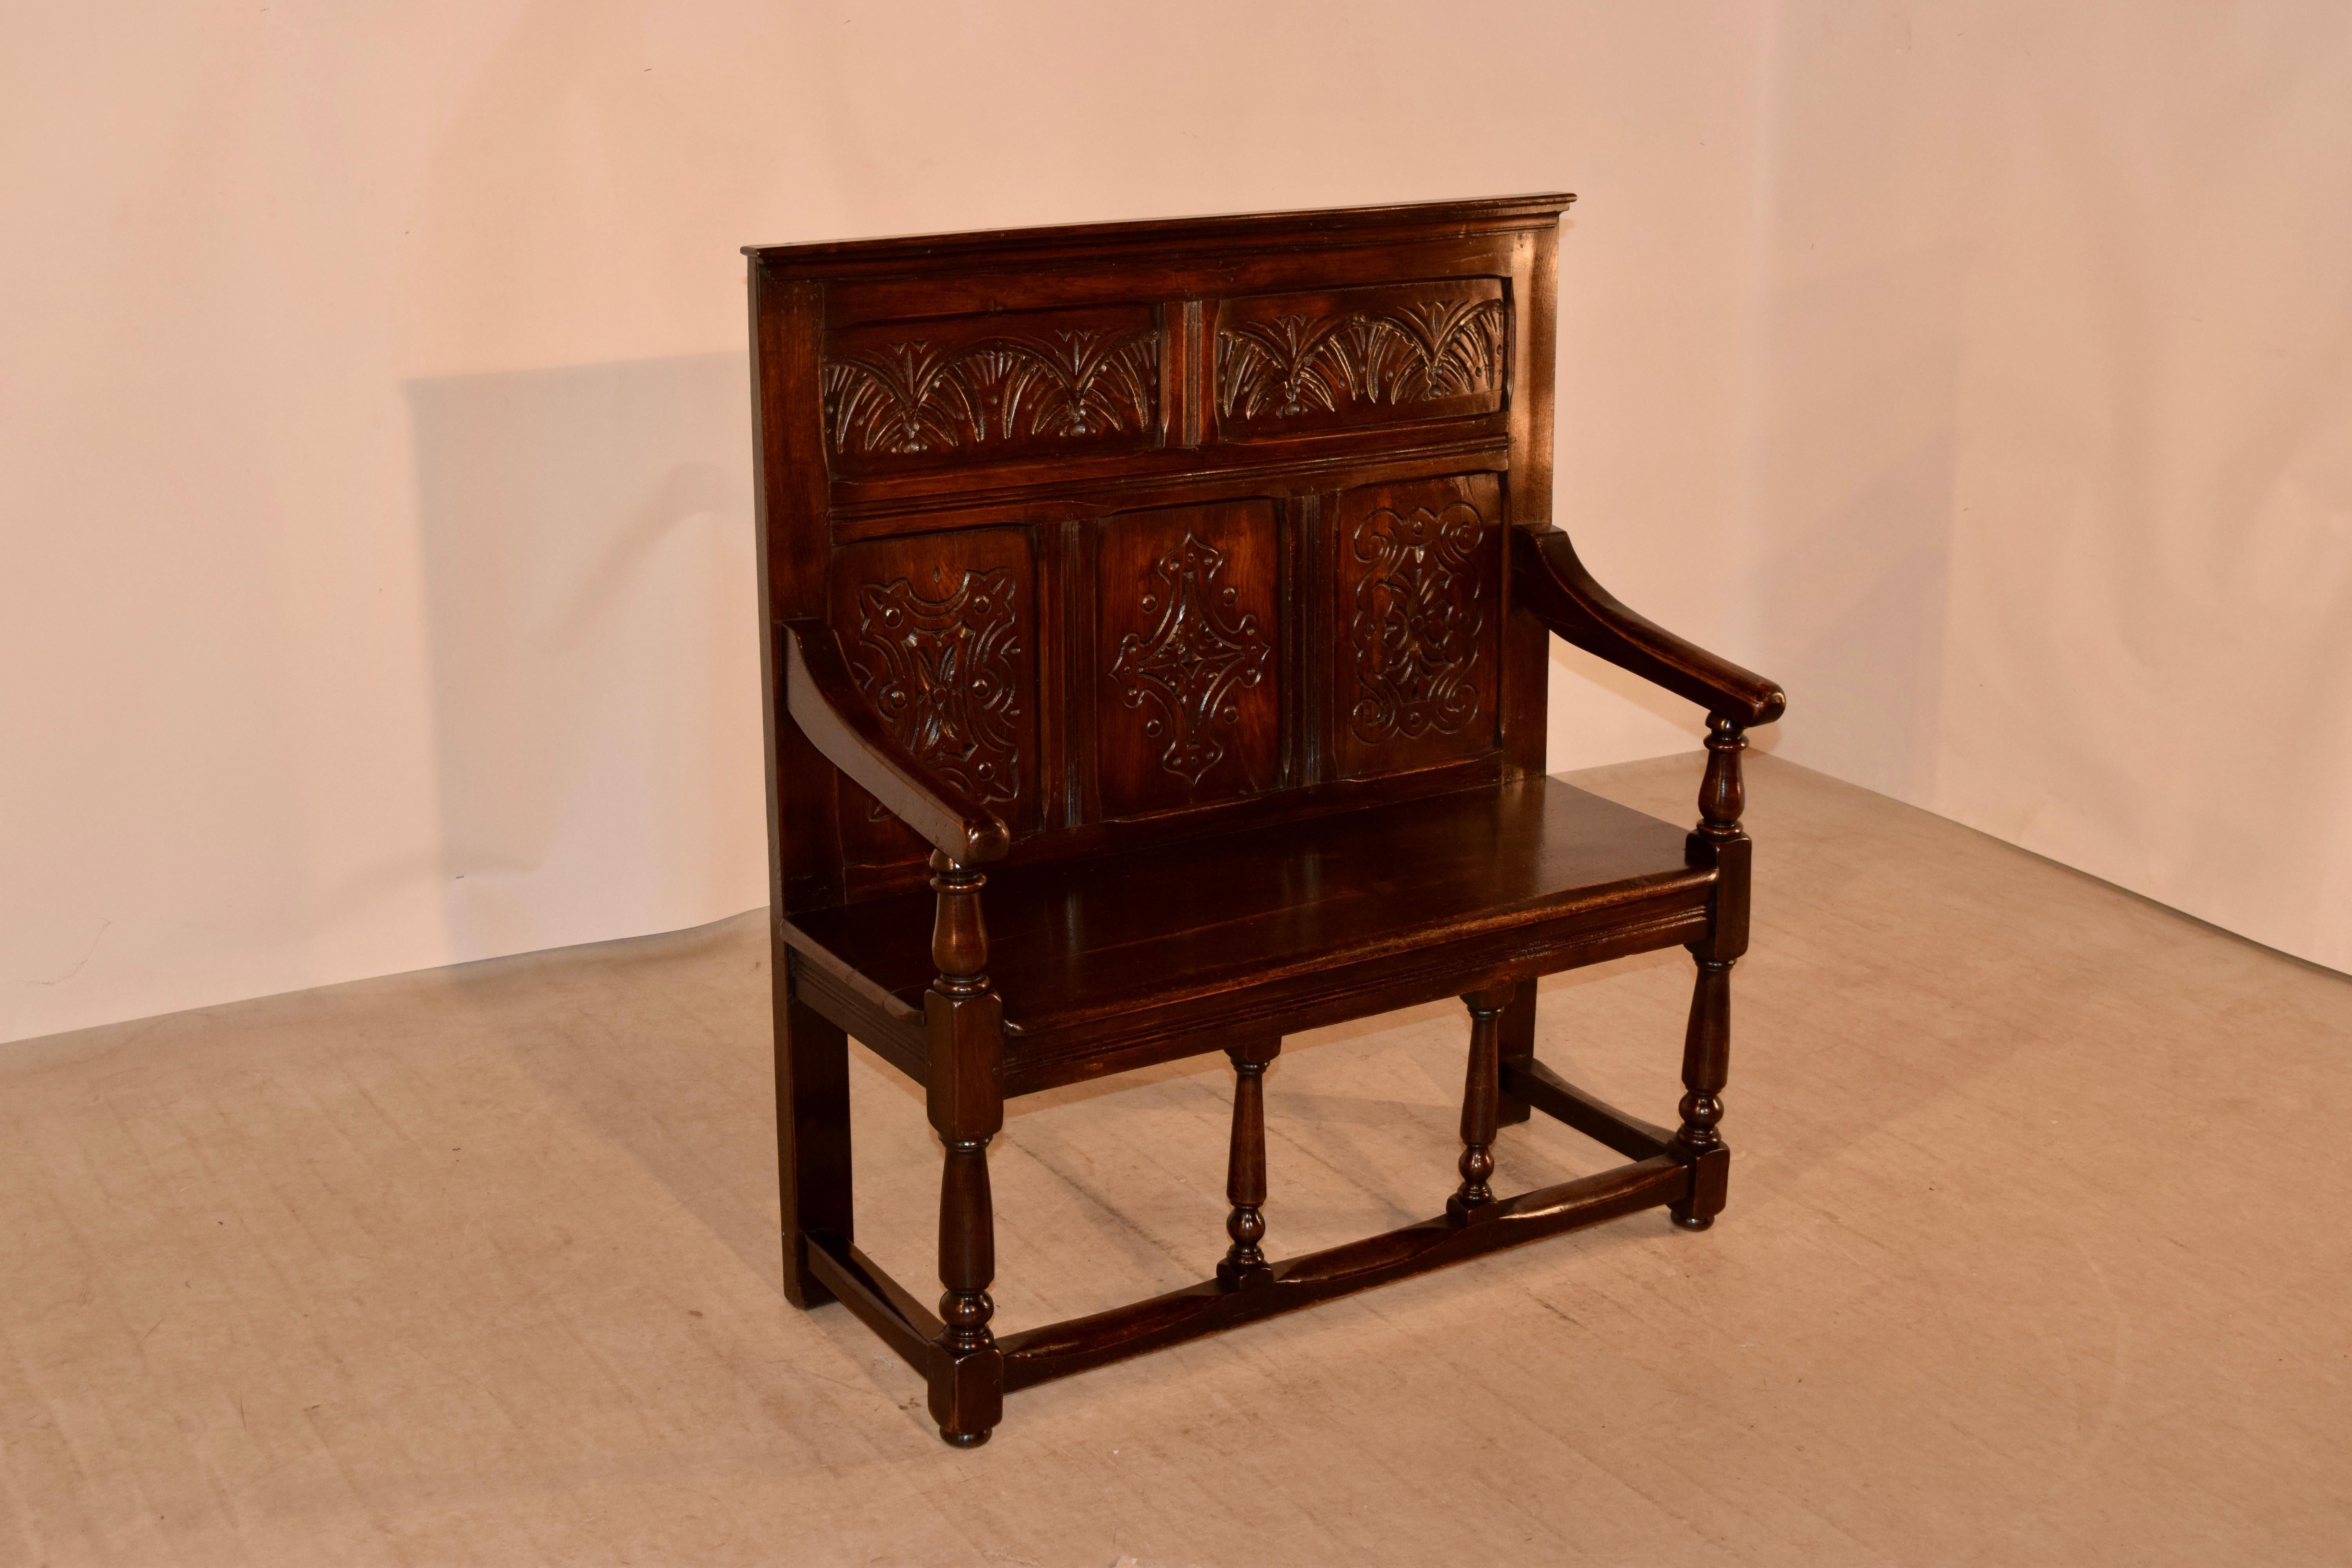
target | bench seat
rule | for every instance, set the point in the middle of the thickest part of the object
(1111, 961)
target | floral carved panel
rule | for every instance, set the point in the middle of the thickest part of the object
(936, 630)
(1188, 658)
(1199, 655)
(1415, 630)
(938, 665)
(1416, 665)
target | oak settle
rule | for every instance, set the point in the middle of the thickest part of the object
(1155, 644)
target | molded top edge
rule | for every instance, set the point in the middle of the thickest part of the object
(1164, 234)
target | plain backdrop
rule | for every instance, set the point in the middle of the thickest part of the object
(374, 452)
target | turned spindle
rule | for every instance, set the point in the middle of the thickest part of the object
(1706, 1042)
(1707, 1061)
(1244, 1260)
(1480, 1090)
(959, 935)
(1722, 795)
(965, 1024)
(967, 1247)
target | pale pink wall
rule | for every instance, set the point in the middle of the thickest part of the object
(373, 456)
(2051, 499)
(374, 453)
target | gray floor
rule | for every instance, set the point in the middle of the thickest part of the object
(2037, 1253)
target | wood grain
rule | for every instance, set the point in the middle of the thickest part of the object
(1195, 579)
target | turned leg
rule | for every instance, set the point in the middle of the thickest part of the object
(967, 1383)
(1517, 1043)
(1720, 841)
(1245, 1168)
(965, 1023)
(1706, 1062)
(812, 1132)
(1480, 1091)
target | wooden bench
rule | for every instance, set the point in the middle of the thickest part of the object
(1195, 579)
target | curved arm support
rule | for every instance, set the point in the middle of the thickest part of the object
(833, 714)
(1549, 581)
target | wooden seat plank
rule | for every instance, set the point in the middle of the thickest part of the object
(1111, 948)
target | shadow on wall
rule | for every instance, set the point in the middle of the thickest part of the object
(590, 611)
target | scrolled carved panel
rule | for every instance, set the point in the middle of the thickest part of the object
(939, 634)
(1288, 364)
(901, 396)
(1188, 710)
(1417, 573)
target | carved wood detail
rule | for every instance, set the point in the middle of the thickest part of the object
(961, 388)
(1416, 616)
(1303, 361)
(1186, 672)
(1198, 654)
(1415, 630)
(1276, 487)
(942, 673)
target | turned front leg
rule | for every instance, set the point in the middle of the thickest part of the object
(1706, 1063)
(1707, 1045)
(1481, 1091)
(1244, 1260)
(967, 1253)
(965, 1024)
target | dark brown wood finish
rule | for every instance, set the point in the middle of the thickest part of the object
(1515, 1046)
(1416, 574)
(1156, 634)
(901, 397)
(1116, 960)
(1481, 1087)
(964, 1029)
(1187, 698)
(938, 630)
(811, 1138)
(1391, 354)
(1039, 1355)
(1244, 1260)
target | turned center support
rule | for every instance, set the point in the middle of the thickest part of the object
(1481, 1093)
(1245, 1262)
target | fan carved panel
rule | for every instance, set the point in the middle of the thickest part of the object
(1355, 356)
(983, 388)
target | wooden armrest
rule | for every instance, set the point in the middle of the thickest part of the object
(1549, 581)
(835, 715)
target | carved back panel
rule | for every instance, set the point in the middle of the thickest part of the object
(1134, 530)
